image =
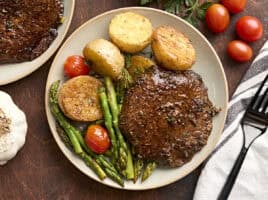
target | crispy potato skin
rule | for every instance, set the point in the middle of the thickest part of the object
(139, 64)
(131, 32)
(79, 100)
(105, 57)
(172, 49)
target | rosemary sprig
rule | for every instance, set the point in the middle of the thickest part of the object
(190, 10)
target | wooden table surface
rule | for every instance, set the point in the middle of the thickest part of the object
(40, 170)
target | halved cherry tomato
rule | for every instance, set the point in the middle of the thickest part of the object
(75, 66)
(234, 6)
(217, 18)
(97, 139)
(249, 28)
(239, 51)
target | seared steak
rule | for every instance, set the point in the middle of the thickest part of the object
(27, 28)
(167, 116)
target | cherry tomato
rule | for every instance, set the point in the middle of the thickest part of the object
(217, 18)
(234, 6)
(249, 28)
(97, 139)
(239, 51)
(75, 66)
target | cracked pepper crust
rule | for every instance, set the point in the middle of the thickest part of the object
(167, 116)
(27, 28)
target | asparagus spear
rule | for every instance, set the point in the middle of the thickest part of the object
(66, 127)
(125, 81)
(149, 168)
(129, 168)
(120, 91)
(115, 177)
(123, 149)
(108, 122)
(138, 165)
(64, 137)
(93, 165)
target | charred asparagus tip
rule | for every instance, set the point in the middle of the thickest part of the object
(150, 167)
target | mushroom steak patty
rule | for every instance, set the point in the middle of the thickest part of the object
(167, 116)
(27, 28)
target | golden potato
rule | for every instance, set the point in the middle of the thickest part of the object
(131, 32)
(105, 57)
(172, 49)
(139, 64)
(79, 99)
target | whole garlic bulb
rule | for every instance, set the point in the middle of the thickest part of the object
(13, 128)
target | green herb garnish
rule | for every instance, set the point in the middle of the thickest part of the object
(190, 10)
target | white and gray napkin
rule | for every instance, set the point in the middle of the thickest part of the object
(252, 181)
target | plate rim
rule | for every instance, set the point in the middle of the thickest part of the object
(45, 59)
(224, 109)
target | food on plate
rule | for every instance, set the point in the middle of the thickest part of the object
(74, 137)
(234, 6)
(105, 57)
(141, 115)
(131, 32)
(78, 98)
(249, 28)
(167, 116)
(138, 169)
(75, 66)
(27, 28)
(138, 64)
(239, 51)
(172, 49)
(98, 163)
(217, 18)
(13, 128)
(97, 139)
(111, 112)
(148, 170)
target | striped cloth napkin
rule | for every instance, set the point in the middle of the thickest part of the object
(252, 181)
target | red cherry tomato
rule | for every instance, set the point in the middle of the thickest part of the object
(97, 139)
(234, 6)
(249, 28)
(217, 18)
(239, 51)
(75, 66)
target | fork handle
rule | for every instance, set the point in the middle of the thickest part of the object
(227, 188)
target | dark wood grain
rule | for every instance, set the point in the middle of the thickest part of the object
(40, 170)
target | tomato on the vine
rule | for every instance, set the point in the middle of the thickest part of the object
(97, 139)
(249, 28)
(217, 18)
(75, 66)
(234, 6)
(239, 51)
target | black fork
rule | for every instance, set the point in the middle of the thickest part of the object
(256, 116)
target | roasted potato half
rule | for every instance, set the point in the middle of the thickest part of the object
(105, 57)
(139, 64)
(172, 49)
(79, 100)
(131, 32)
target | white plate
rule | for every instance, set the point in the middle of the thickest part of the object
(207, 65)
(15, 71)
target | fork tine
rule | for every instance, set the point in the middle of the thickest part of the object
(259, 104)
(253, 101)
(265, 105)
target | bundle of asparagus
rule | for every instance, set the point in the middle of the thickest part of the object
(98, 163)
(120, 161)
